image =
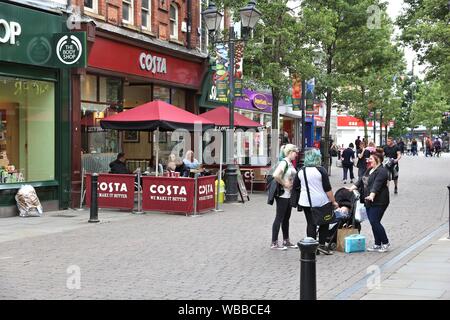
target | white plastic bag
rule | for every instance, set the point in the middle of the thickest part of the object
(360, 212)
(28, 202)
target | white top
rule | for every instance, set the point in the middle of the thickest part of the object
(318, 194)
(288, 176)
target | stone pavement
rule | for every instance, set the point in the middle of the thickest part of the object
(222, 255)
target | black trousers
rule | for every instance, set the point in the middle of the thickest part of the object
(311, 228)
(282, 218)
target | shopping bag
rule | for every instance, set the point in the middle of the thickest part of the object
(360, 212)
(355, 243)
(341, 234)
(338, 163)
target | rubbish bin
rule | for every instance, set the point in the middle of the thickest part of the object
(221, 191)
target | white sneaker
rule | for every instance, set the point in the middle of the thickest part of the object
(384, 247)
(374, 248)
(276, 246)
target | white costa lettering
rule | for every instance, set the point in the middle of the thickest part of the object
(112, 187)
(12, 30)
(205, 189)
(154, 64)
(168, 190)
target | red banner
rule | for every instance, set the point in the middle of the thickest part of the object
(113, 191)
(205, 193)
(168, 194)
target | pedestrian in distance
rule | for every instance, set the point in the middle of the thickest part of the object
(357, 144)
(363, 157)
(320, 193)
(284, 175)
(414, 147)
(375, 195)
(393, 156)
(348, 155)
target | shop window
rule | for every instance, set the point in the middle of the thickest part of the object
(173, 21)
(27, 130)
(178, 98)
(146, 14)
(89, 88)
(127, 11)
(161, 93)
(91, 6)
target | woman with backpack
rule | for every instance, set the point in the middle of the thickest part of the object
(284, 175)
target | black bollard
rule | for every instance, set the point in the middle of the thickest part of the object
(308, 247)
(94, 207)
(448, 187)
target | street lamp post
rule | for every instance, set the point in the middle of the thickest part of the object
(249, 18)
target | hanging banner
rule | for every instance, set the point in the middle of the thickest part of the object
(222, 90)
(205, 193)
(237, 88)
(296, 93)
(168, 194)
(310, 85)
(113, 191)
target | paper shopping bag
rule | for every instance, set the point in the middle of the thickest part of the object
(341, 234)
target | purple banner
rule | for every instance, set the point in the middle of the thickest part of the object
(254, 101)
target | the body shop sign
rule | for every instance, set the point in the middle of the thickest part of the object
(113, 191)
(39, 38)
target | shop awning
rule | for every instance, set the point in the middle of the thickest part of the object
(221, 117)
(155, 115)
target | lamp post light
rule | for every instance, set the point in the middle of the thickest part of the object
(250, 16)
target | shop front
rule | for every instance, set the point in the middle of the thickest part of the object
(137, 72)
(35, 58)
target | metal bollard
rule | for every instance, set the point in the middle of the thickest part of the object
(448, 187)
(94, 207)
(308, 247)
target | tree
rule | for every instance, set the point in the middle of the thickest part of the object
(429, 106)
(425, 27)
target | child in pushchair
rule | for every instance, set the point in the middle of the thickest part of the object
(344, 216)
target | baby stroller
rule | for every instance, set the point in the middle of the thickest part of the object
(344, 198)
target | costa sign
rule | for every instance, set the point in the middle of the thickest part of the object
(113, 191)
(154, 64)
(10, 31)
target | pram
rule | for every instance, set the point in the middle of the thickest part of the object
(349, 199)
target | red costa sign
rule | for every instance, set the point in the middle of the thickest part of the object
(113, 191)
(123, 58)
(205, 193)
(168, 194)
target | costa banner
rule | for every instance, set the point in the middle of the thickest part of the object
(205, 193)
(113, 191)
(168, 194)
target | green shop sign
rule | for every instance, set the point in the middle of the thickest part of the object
(37, 38)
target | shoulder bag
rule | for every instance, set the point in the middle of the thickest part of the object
(320, 215)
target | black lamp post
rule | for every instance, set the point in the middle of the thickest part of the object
(249, 18)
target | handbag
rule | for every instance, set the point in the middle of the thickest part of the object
(342, 233)
(320, 215)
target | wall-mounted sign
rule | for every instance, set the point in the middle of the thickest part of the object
(261, 102)
(71, 49)
(10, 31)
(154, 64)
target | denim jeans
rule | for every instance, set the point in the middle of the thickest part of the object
(348, 168)
(375, 214)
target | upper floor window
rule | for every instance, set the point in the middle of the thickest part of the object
(91, 5)
(146, 14)
(127, 11)
(173, 21)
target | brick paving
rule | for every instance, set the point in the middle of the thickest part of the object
(222, 255)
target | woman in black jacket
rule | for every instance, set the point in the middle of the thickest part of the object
(375, 192)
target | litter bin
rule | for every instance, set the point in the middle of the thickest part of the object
(221, 191)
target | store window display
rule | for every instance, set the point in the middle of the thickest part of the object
(27, 130)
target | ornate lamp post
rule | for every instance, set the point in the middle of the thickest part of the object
(249, 18)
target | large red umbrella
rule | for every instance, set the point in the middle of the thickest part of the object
(221, 117)
(155, 115)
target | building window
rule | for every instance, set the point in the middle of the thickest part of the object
(146, 15)
(91, 6)
(127, 11)
(27, 130)
(173, 21)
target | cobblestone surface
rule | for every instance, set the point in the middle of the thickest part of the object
(222, 255)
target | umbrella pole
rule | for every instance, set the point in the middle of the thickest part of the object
(157, 151)
(219, 179)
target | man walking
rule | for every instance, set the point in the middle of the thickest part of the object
(392, 155)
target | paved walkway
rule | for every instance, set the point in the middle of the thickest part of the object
(424, 277)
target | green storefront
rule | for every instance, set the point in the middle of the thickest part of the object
(36, 54)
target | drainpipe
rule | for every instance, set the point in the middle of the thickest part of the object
(189, 22)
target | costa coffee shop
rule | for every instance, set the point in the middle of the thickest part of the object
(125, 71)
(36, 54)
